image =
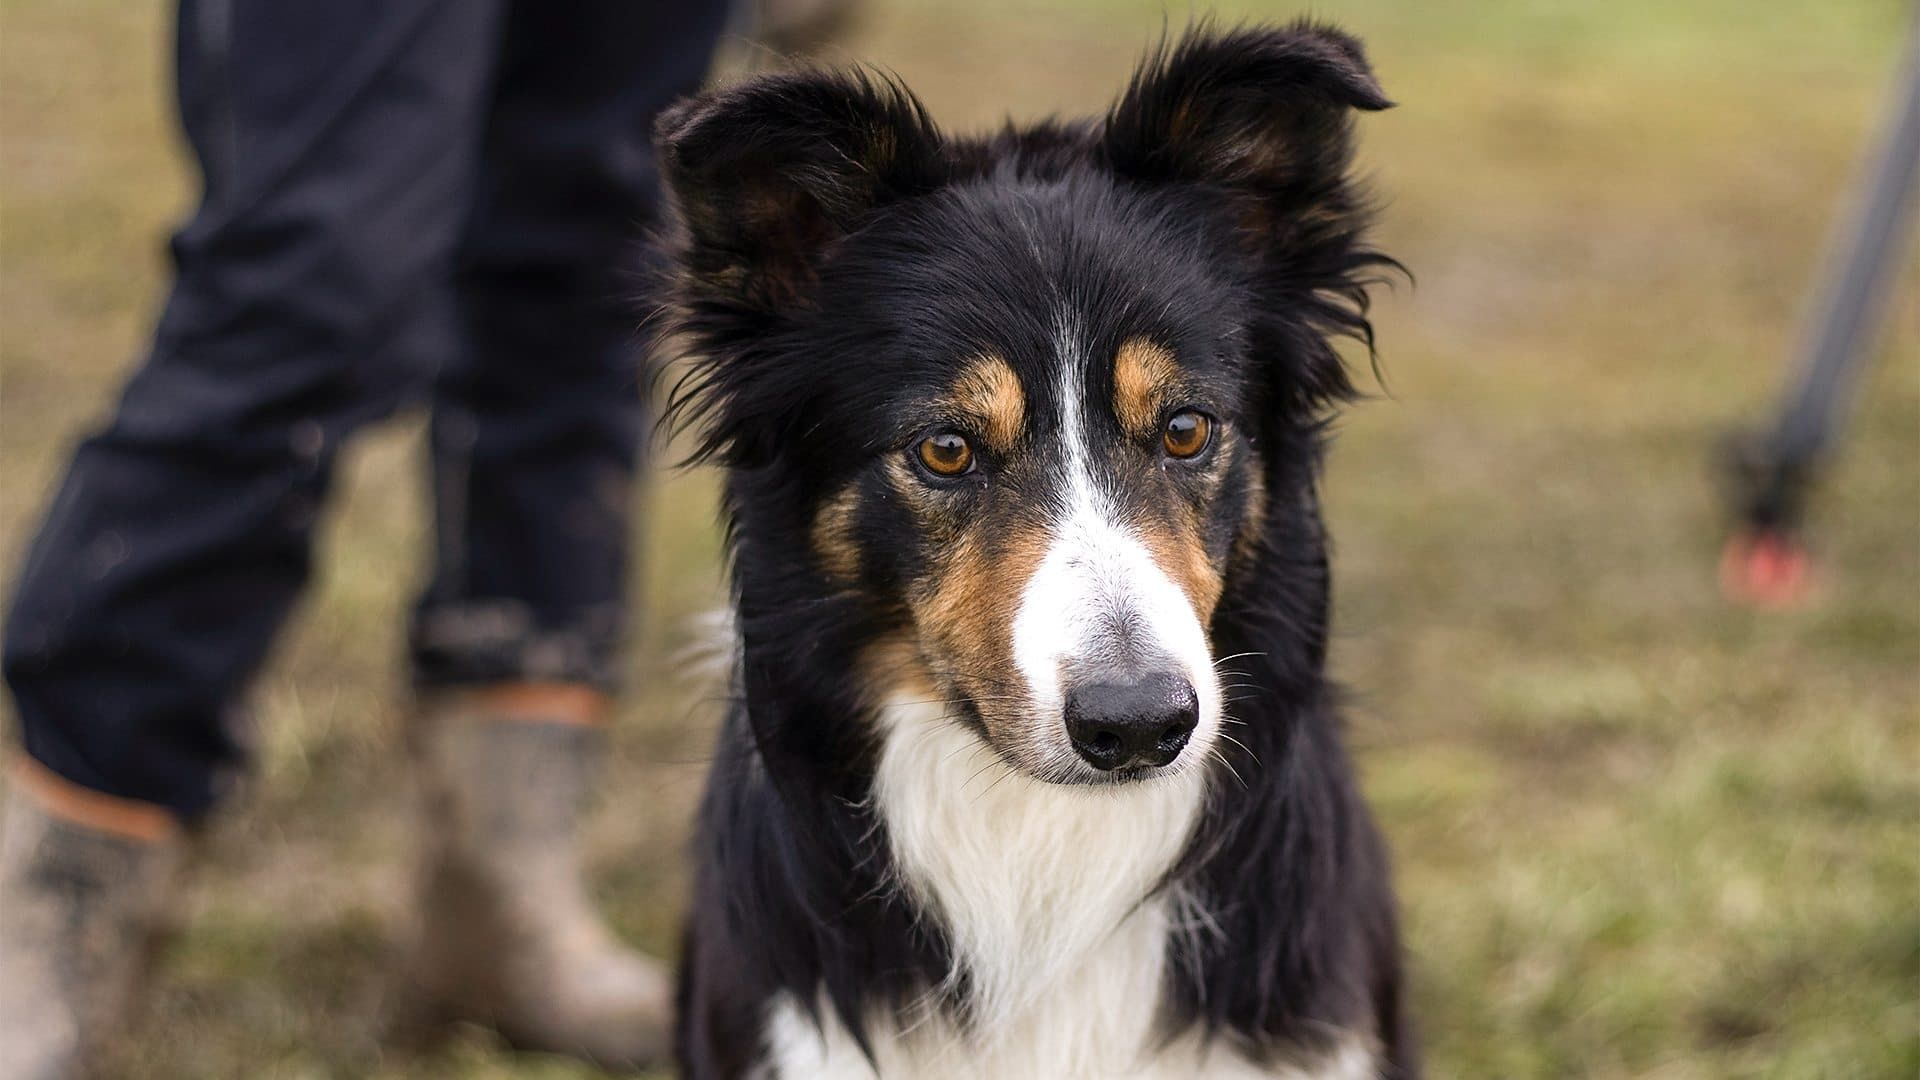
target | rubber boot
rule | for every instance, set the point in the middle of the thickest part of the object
(508, 937)
(85, 881)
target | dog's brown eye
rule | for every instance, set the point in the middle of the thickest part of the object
(1187, 433)
(946, 454)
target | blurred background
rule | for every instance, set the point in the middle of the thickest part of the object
(1640, 831)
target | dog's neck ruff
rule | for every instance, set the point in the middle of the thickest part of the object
(1055, 901)
(1034, 884)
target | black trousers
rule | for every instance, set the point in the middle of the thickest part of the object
(406, 201)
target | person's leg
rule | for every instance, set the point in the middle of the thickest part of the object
(538, 422)
(537, 428)
(336, 140)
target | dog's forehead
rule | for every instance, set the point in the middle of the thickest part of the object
(1043, 290)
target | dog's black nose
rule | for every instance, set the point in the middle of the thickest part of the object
(1115, 725)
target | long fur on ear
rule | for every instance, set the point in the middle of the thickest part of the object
(1264, 117)
(766, 178)
(1256, 108)
(766, 175)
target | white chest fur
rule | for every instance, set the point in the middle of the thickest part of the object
(1047, 893)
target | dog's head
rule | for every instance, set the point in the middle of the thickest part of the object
(1028, 402)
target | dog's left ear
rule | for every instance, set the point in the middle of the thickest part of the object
(769, 175)
(1263, 118)
(1263, 113)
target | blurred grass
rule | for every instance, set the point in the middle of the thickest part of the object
(1639, 833)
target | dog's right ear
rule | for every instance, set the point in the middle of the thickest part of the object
(1261, 110)
(769, 175)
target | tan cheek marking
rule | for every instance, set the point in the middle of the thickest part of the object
(1142, 372)
(966, 620)
(989, 391)
(892, 668)
(833, 538)
(1178, 542)
(1182, 555)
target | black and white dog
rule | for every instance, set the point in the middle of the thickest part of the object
(1033, 769)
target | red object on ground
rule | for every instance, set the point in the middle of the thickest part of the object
(1766, 570)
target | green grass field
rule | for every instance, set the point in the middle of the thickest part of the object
(1639, 832)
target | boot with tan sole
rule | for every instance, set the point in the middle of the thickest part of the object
(507, 936)
(85, 880)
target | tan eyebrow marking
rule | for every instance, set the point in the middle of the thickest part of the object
(1142, 371)
(989, 391)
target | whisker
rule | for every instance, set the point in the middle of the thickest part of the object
(1216, 755)
(976, 776)
(972, 750)
(1243, 746)
(955, 701)
(1004, 773)
(1236, 656)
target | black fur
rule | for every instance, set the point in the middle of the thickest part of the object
(836, 250)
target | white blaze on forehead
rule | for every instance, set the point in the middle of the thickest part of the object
(1098, 590)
